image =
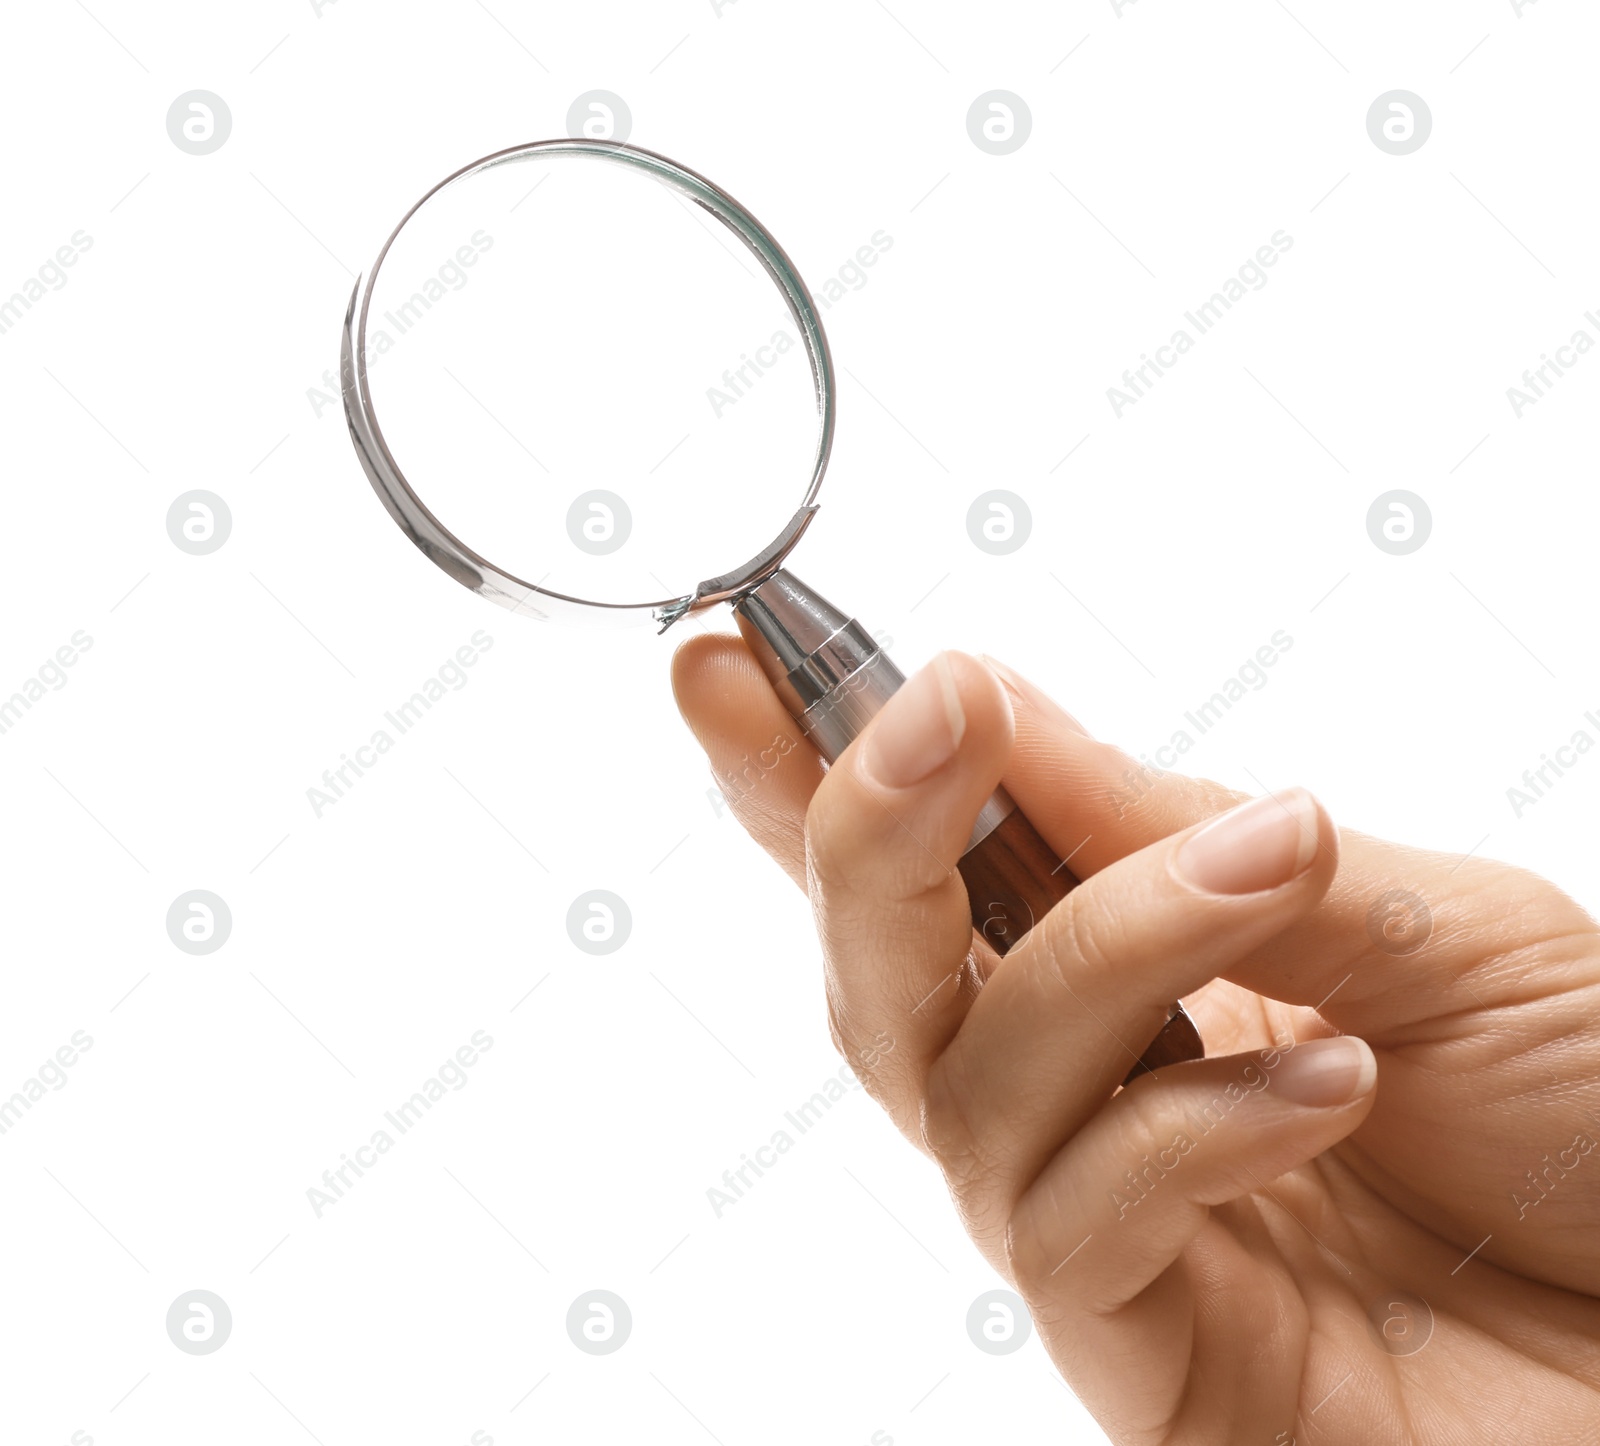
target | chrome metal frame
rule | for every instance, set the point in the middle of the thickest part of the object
(473, 570)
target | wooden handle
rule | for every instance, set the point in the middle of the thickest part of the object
(1014, 879)
(833, 677)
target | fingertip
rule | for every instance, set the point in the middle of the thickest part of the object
(726, 699)
(702, 664)
(1032, 698)
(1318, 846)
(1260, 846)
(1327, 1073)
(984, 699)
(1325, 860)
(1327, 836)
(951, 708)
(759, 755)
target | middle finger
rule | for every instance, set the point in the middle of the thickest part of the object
(1044, 1045)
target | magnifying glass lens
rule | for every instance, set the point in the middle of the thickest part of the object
(589, 379)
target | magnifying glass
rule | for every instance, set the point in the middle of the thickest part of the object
(644, 404)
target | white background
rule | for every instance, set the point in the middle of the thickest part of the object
(829, 1304)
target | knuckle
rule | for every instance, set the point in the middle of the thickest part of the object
(971, 1166)
(851, 1039)
(1021, 1253)
(836, 1026)
(1028, 1242)
(824, 869)
(1042, 1231)
(837, 850)
(874, 1059)
(1082, 943)
(851, 837)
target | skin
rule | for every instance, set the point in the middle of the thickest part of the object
(1301, 1274)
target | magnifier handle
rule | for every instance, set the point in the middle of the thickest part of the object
(833, 676)
(1013, 879)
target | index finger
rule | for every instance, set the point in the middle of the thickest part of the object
(762, 762)
(1388, 946)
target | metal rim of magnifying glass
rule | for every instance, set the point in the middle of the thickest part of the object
(471, 569)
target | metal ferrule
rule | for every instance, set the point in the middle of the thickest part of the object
(845, 707)
(829, 671)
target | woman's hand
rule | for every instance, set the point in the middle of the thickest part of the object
(1371, 1216)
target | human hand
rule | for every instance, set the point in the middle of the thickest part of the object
(1370, 1216)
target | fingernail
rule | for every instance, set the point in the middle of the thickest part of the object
(1021, 689)
(1258, 845)
(1325, 1072)
(919, 729)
